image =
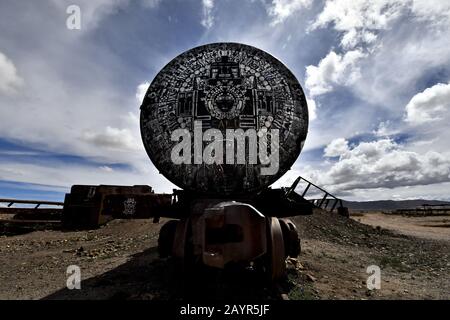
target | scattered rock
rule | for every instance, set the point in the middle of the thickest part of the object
(311, 277)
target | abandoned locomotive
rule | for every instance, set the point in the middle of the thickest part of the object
(226, 212)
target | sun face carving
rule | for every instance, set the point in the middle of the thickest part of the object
(223, 86)
(225, 102)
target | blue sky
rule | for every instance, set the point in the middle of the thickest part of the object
(376, 73)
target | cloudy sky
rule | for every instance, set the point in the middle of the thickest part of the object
(376, 73)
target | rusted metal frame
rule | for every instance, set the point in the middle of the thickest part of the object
(334, 204)
(310, 183)
(306, 189)
(323, 199)
(315, 201)
(36, 202)
(327, 202)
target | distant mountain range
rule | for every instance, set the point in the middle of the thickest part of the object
(390, 204)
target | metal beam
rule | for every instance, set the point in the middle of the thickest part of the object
(36, 202)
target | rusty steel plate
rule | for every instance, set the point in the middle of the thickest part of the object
(224, 86)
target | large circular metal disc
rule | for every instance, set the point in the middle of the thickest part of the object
(227, 87)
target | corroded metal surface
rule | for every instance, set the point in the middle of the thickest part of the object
(230, 232)
(276, 251)
(225, 86)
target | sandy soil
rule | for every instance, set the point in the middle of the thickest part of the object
(437, 228)
(119, 261)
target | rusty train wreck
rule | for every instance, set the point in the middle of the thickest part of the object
(227, 213)
(233, 96)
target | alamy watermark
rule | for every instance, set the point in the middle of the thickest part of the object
(263, 147)
(374, 279)
(74, 277)
(73, 21)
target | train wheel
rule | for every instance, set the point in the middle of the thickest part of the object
(292, 247)
(275, 249)
(166, 238)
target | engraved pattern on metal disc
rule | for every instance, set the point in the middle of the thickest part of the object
(226, 86)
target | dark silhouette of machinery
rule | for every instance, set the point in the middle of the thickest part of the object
(227, 212)
(223, 122)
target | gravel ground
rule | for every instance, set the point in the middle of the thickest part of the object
(120, 261)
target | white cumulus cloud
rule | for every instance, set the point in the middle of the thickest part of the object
(332, 70)
(383, 164)
(141, 90)
(358, 19)
(208, 18)
(312, 107)
(432, 104)
(112, 138)
(336, 148)
(10, 81)
(437, 11)
(280, 10)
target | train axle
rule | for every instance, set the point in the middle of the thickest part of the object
(231, 232)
